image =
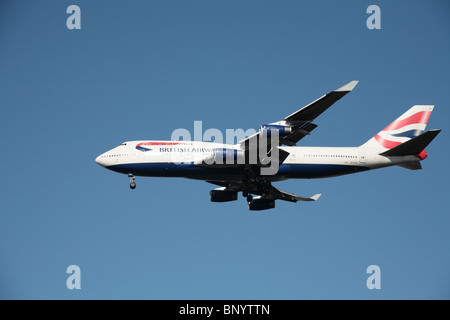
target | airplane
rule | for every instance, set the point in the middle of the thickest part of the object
(402, 143)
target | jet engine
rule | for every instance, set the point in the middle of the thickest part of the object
(267, 129)
(222, 195)
(261, 204)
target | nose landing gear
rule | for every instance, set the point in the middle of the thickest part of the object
(132, 183)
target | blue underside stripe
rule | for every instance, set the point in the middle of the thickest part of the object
(286, 171)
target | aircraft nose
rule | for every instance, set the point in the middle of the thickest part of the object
(100, 160)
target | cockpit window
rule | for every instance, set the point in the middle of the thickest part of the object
(123, 144)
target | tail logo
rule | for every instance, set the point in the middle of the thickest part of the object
(404, 128)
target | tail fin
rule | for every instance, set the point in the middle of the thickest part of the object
(408, 126)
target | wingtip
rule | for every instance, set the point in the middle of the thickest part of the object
(348, 87)
(316, 197)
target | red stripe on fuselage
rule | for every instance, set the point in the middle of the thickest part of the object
(157, 144)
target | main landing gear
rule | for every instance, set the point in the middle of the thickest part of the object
(132, 183)
(249, 197)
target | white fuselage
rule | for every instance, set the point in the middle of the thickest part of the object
(183, 158)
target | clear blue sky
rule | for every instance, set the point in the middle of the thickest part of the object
(139, 70)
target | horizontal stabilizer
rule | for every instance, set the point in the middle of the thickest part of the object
(414, 146)
(413, 165)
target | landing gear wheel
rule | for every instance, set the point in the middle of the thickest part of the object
(132, 183)
(249, 198)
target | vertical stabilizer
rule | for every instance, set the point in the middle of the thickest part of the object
(408, 126)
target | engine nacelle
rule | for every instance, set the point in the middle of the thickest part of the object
(267, 129)
(222, 195)
(229, 156)
(261, 204)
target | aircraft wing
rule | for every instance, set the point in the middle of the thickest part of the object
(316, 108)
(266, 190)
(299, 124)
(277, 194)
